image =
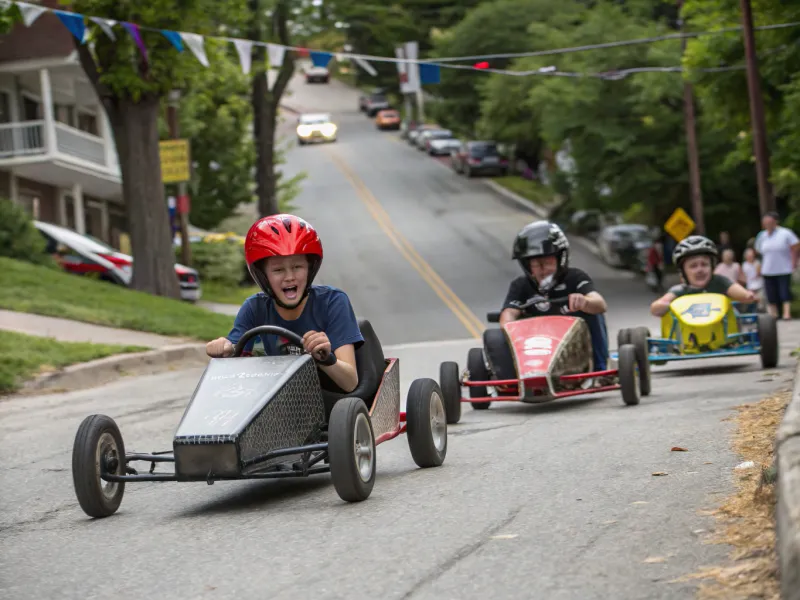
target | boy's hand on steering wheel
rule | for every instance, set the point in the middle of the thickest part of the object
(317, 344)
(577, 302)
(219, 348)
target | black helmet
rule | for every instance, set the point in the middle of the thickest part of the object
(541, 238)
(695, 245)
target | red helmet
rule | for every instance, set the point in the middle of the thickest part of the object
(281, 235)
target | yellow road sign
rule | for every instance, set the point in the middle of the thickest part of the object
(679, 225)
(175, 165)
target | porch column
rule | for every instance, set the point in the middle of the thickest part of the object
(77, 207)
(13, 186)
(62, 208)
(105, 234)
(47, 110)
(108, 138)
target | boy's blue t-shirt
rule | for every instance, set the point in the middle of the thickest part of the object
(328, 309)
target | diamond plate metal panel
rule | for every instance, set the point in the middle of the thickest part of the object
(385, 413)
(289, 419)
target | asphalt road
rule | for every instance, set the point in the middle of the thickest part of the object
(553, 501)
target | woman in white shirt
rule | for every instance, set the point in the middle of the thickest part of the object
(778, 247)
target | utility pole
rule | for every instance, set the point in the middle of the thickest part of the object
(692, 152)
(183, 197)
(765, 198)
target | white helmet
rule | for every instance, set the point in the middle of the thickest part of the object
(695, 245)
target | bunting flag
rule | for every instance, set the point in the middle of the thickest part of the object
(73, 22)
(275, 54)
(195, 43)
(429, 73)
(174, 38)
(272, 77)
(245, 50)
(366, 66)
(30, 12)
(320, 59)
(133, 30)
(106, 25)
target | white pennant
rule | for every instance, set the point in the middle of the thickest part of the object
(245, 49)
(272, 77)
(195, 43)
(366, 66)
(275, 53)
(106, 25)
(30, 12)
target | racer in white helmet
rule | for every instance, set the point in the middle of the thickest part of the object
(696, 256)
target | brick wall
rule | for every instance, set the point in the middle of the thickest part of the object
(46, 38)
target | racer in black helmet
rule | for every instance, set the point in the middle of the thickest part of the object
(542, 250)
(696, 257)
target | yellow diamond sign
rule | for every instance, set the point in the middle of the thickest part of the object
(175, 167)
(679, 225)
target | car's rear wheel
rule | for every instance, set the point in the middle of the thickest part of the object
(451, 390)
(426, 423)
(351, 450)
(98, 449)
(628, 376)
(768, 336)
(478, 372)
(638, 338)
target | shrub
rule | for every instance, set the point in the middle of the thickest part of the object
(19, 239)
(221, 261)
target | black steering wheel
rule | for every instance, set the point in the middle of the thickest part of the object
(294, 339)
(539, 299)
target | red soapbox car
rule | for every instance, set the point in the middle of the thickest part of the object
(537, 360)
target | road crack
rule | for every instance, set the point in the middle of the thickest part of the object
(462, 553)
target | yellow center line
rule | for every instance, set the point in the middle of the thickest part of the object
(472, 323)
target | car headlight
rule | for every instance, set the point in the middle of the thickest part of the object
(303, 130)
(328, 129)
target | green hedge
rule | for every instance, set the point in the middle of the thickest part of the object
(221, 261)
(19, 239)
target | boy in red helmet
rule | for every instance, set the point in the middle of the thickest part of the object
(284, 254)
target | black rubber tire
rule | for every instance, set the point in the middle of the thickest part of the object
(768, 336)
(478, 372)
(450, 383)
(499, 354)
(628, 377)
(341, 450)
(623, 337)
(419, 425)
(639, 337)
(86, 470)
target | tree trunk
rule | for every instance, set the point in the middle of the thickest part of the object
(135, 126)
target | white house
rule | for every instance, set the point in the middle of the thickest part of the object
(57, 154)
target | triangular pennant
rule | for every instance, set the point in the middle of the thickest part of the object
(245, 50)
(106, 25)
(73, 22)
(30, 12)
(272, 77)
(174, 38)
(366, 66)
(429, 73)
(195, 43)
(133, 29)
(275, 54)
(320, 59)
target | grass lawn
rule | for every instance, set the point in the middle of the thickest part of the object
(214, 291)
(40, 290)
(25, 356)
(530, 190)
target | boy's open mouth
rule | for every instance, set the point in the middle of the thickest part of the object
(290, 292)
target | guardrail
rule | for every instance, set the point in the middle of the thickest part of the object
(80, 144)
(24, 138)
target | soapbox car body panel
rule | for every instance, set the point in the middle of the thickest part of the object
(270, 417)
(710, 326)
(550, 357)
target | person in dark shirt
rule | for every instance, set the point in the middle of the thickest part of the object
(542, 250)
(284, 254)
(696, 257)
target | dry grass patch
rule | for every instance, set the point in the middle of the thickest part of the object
(746, 520)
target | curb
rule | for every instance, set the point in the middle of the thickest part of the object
(109, 369)
(516, 199)
(787, 516)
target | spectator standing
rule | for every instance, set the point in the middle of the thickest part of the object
(778, 247)
(724, 242)
(729, 268)
(751, 267)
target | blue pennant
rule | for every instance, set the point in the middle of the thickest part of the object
(429, 73)
(321, 59)
(73, 22)
(174, 37)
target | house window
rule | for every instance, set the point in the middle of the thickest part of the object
(64, 114)
(5, 110)
(31, 109)
(88, 122)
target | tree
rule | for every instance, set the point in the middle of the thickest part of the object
(216, 116)
(266, 101)
(131, 90)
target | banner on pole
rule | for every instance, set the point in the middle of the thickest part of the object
(175, 165)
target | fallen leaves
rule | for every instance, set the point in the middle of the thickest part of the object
(655, 559)
(678, 449)
(660, 474)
